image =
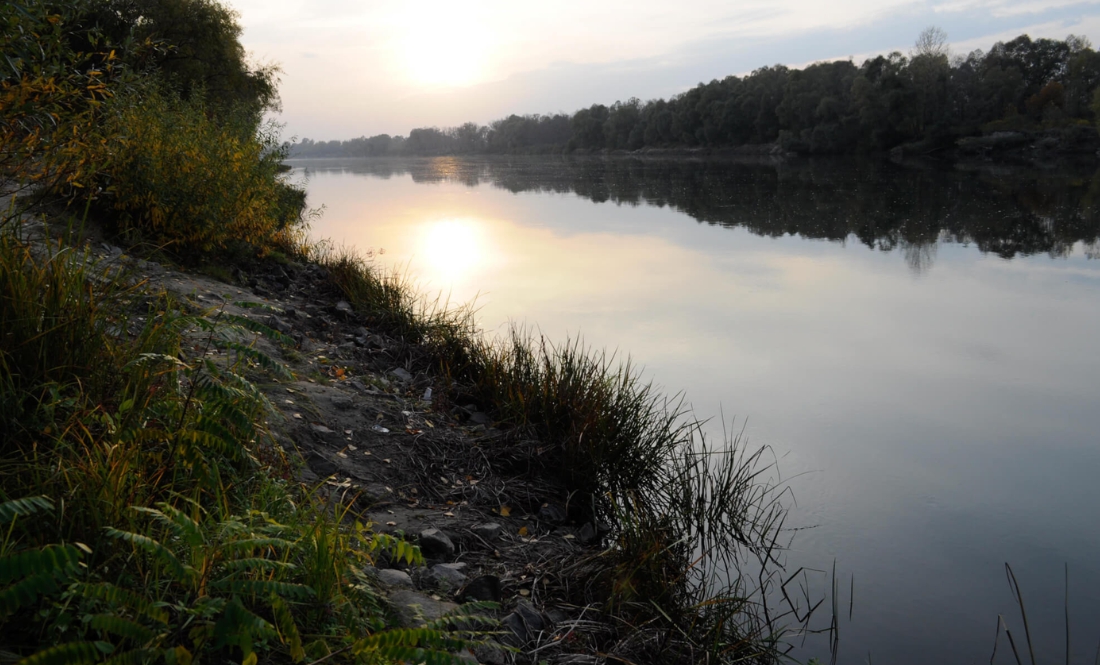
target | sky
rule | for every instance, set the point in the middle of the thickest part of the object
(363, 67)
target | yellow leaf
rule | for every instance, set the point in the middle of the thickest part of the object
(505, 511)
(523, 531)
(183, 656)
(250, 659)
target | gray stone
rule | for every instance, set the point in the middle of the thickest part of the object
(519, 633)
(279, 324)
(587, 533)
(486, 587)
(415, 609)
(401, 374)
(491, 655)
(534, 619)
(490, 531)
(479, 418)
(394, 578)
(553, 513)
(434, 542)
(449, 575)
(344, 307)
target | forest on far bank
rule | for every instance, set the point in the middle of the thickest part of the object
(926, 102)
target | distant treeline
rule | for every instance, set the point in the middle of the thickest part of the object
(927, 100)
(1007, 212)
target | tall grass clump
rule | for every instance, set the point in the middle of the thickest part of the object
(697, 531)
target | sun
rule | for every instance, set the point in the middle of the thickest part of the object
(442, 46)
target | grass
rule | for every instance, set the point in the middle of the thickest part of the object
(689, 519)
(145, 511)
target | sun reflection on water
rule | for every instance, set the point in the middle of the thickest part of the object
(450, 250)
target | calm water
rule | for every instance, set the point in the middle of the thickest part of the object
(917, 346)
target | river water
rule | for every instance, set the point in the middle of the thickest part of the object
(916, 345)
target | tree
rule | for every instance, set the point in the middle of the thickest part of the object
(932, 41)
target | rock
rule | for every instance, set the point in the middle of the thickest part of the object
(434, 542)
(343, 307)
(321, 466)
(490, 531)
(479, 418)
(486, 587)
(553, 513)
(415, 609)
(402, 374)
(520, 635)
(448, 575)
(394, 578)
(490, 655)
(534, 619)
(280, 325)
(587, 533)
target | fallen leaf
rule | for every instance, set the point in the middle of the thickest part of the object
(342, 454)
(298, 416)
(505, 511)
(387, 461)
(448, 514)
(524, 592)
(569, 536)
(339, 373)
(523, 531)
(391, 523)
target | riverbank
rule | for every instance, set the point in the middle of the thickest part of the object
(542, 478)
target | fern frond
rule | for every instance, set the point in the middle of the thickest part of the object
(207, 441)
(248, 544)
(180, 524)
(237, 625)
(420, 656)
(30, 505)
(256, 563)
(56, 560)
(413, 638)
(117, 597)
(187, 527)
(26, 591)
(156, 359)
(162, 554)
(116, 625)
(137, 657)
(257, 327)
(263, 588)
(396, 548)
(288, 629)
(259, 357)
(70, 653)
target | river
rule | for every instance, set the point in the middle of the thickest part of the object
(917, 346)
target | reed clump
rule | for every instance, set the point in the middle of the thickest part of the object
(697, 530)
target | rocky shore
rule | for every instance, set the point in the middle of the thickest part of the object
(388, 443)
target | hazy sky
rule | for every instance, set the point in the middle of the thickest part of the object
(364, 67)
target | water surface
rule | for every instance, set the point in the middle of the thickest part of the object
(916, 345)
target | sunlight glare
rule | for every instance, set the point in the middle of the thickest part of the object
(451, 249)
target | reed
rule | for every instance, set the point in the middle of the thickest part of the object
(697, 530)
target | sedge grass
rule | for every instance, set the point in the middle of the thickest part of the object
(689, 520)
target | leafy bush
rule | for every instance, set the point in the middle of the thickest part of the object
(185, 181)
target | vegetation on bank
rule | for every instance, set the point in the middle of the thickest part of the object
(147, 513)
(927, 100)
